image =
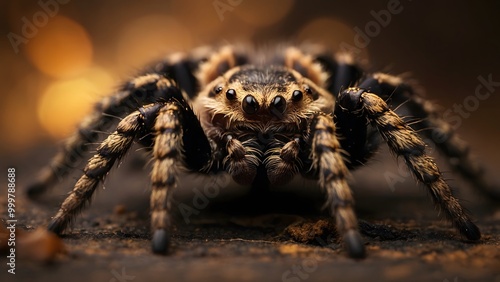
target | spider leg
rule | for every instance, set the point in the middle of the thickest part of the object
(443, 135)
(166, 152)
(329, 162)
(405, 142)
(110, 150)
(179, 141)
(142, 90)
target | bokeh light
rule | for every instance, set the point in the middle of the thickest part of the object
(314, 32)
(64, 103)
(195, 17)
(262, 13)
(60, 49)
(151, 37)
(18, 122)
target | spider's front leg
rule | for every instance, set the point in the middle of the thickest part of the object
(179, 141)
(110, 150)
(433, 126)
(333, 172)
(166, 152)
(143, 90)
(405, 142)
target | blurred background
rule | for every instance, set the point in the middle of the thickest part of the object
(58, 57)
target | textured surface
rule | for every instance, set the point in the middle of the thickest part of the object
(405, 239)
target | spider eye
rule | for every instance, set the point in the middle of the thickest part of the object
(278, 106)
(297, 95)
(231, 94)
(250, 105)
(218, 89)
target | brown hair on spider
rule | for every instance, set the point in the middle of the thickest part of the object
(253, 94)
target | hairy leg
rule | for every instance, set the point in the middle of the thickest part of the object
(405, 142)
(166, 153)
(433, 126)
(137, 92)
(110, 150)
(333, 172)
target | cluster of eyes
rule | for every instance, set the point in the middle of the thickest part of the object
(251, 106)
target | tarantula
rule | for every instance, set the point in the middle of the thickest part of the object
(207, 112)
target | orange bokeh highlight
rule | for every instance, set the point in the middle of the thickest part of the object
(150, 38)
(338, 33)
(261, 13)
(64, 103)
(336, 29)
(61, 49)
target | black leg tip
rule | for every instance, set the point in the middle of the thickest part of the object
(160, 242)
(354, 244)
(56, 227)
(470, 231)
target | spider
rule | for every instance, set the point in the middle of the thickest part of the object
(262, 117)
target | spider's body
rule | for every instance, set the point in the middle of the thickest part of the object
(263, 120)
(255, 112)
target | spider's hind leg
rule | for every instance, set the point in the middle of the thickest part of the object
(433, 127)
(405, 142)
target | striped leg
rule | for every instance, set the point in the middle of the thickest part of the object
(405, 142)
(179, 142)
(332, 178)
(433, 126)
(136, 93)
(110, 150)
(166, 152)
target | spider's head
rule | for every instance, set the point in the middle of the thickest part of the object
(273, 94)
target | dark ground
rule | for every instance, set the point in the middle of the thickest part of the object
(404, 237)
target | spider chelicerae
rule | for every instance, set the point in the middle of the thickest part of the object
(262, 117)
